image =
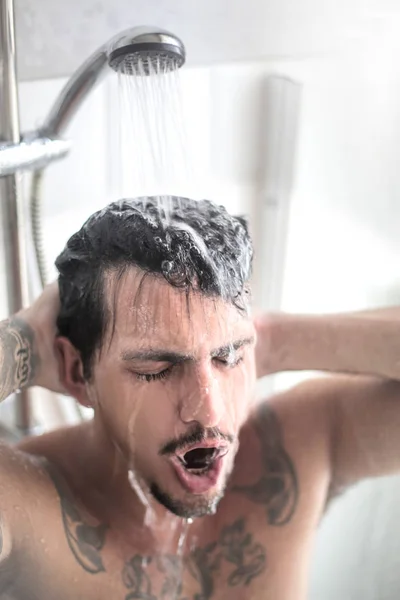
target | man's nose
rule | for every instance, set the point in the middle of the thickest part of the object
(204, 401)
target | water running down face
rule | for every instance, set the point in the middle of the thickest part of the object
(174, 387)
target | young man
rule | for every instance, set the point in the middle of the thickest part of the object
(182, 486)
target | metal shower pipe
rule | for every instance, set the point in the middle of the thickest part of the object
(11, 209)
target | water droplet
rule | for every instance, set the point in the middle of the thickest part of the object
(190, 521)
(167, 266)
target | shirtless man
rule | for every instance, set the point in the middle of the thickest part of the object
(182, 486)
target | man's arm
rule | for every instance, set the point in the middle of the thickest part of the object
(365, 343)
(362, 408)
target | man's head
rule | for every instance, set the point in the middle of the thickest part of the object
(156, 336)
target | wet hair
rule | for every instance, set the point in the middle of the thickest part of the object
(193, 245)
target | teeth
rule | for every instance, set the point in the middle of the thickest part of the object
(198, 471)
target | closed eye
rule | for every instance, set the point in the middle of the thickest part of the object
(230, 362)
(149, 377)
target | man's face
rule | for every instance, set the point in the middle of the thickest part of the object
(172, 386)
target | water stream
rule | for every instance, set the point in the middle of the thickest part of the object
(152, 159)
(151, 137)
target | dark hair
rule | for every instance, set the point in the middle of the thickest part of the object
(195, 245)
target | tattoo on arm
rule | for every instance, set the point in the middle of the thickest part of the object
(85, 541)
(160, 577)
(18, 360)
(278, 488)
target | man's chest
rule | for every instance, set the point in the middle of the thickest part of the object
(204, 566)
(256, 546)
(235, 560)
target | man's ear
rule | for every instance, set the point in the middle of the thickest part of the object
(71, 371)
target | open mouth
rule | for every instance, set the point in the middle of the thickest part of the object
(199, 460)
(199, 468)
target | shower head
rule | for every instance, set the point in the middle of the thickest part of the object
(145, 51)
(137, 51)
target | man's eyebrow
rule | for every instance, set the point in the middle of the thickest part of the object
(225, 350)
(158, 355)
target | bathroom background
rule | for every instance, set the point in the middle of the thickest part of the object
(322, 191)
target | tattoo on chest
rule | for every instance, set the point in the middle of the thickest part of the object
(277, 489)
(18, 361)
(85, 541)
(235, 559)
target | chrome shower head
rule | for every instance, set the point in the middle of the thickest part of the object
(145, 50)
(136, 51)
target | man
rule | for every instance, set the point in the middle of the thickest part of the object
(182, 486)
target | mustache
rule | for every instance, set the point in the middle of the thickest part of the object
(196, 436)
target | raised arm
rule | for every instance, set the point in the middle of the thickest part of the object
(365, 343)
(361, 400)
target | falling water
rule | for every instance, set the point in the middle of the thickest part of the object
(152, 158)
(153, 155)
(183, 536)
(142, 496)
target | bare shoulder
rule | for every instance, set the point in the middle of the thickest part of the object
(26, 493)
(23, 477)
(54, 444)
(61, 455)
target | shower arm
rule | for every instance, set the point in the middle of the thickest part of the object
(78, 87)
(35, 150)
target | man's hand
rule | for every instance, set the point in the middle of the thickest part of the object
(42, 318)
